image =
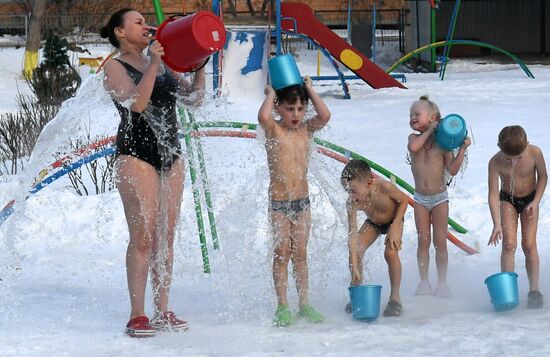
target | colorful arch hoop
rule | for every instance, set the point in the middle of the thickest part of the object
(326, 148)
(460, 42)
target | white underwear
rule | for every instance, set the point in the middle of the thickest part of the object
(430, 201)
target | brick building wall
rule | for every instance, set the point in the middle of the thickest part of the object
(172, 6)
(10, 9)
(176, 5)
(89, 15)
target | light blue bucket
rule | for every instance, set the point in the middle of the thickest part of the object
(365, 302)
(503, 289)
(283, 72)
(451, 132)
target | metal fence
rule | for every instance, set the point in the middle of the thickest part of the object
(87, 23)
(62, 24)
(390, 23)
(385, 18)
(14, 25)
(74, 23)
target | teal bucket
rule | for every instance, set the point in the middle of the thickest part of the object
(365, 302)
(284, 72)
(503, 289)
(451, 132)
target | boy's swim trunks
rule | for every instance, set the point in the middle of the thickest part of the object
(290, 209)
(519, 203)
(380, 228)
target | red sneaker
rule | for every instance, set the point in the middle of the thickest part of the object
(140, 327)
(169, 321)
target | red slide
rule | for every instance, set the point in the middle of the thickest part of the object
(308, 25)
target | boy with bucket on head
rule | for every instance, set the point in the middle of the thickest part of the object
(288, 145)
(521, 169)
(385, 206)
(430, 165)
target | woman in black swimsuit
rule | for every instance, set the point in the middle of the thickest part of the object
(150, 168)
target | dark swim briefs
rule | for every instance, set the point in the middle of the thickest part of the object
(519, 203)
(290, 209)
(380, 228)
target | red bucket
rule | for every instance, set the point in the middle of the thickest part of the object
(190, 40)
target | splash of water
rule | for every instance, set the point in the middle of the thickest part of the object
(90, 111)
(514, 163)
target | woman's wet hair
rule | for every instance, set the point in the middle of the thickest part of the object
(116, 20)
(354, 170)
(512, 140)
(425, 99)
(292, 93)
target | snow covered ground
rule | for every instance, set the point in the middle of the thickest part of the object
(64, 291)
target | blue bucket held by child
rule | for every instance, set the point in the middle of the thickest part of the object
(451, 132)
(283, 72)
(365, 302)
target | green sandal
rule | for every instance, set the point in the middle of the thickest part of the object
(283, 317)
(309, 313)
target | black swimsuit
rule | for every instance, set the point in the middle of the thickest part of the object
(380, 228)
(151, 136)
(519, 203)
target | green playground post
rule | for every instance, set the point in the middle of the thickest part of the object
(432, 37)
(447, 50)
(196, 192)
(205, 186)
(158, 11)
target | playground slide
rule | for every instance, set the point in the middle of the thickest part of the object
(299, 18)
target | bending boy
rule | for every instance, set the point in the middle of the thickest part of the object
(521, 169)
(385, 206)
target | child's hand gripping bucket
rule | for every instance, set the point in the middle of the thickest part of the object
(189, 41)
(283, 72)
(365, 302)
(451, 132)
(503, 289)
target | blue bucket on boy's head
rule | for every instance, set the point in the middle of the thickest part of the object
(503, 289)
(451, 132)
(283, 72)
(365, 302)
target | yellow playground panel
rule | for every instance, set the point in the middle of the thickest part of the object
(90, 61)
